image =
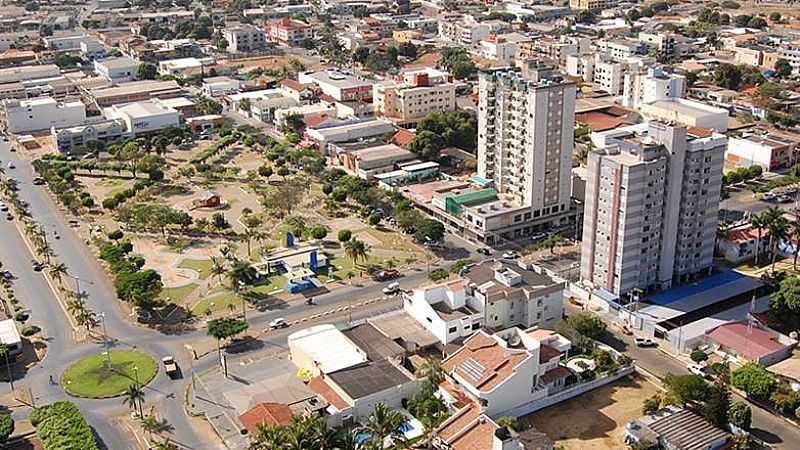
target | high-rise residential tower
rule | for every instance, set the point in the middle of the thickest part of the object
(652, 199)
(526, 126)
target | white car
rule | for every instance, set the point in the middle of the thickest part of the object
(11, 165)
(698, 370)
(280, 322)
(644, 342)
(511, 255)
(392, 288)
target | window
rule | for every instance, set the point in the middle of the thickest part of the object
(452, 330)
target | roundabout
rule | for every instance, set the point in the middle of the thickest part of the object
(94, 377)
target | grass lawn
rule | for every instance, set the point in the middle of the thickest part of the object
(216, 303)
(201, 266)
(178, 294)
(392, 241)
(341, 265)
(90, 378)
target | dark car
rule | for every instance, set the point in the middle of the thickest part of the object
(384, 275)
(484, 251)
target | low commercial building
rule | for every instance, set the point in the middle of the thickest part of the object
(323, 349)
(768, 151)
(219, 86)
(245, 39)
(135, 91)
(688, 112)
(23, 73)
(591, 5)
(144, 117)
(25, 116)
(10, 337)
(750, 343)
(342, 87)
(347, 131)
(185, 67)
(73, 139)
(263, 104)
(408, 174)
(676, 428)
(117, 70)
(368, 162)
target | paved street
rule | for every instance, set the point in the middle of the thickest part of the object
(766, 426)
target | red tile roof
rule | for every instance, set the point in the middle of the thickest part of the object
(458, 421)
(555, 373)
(699, 132)
(461, 398)
(547, 353)
(293, 84)
(315, 119)
(753, 344)
(403, 137)
(600, 121)
(271, 414)
(742, 235)
(319, 386)
(498, 363)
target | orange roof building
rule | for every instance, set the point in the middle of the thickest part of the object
(268, 414)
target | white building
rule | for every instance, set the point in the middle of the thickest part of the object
(70, 139)
(342, 87)
(144, 117)
(689, 112)
(498, 48)
(769, 152)
(117, 70)
(245, 38)
(526, 122)
(25, 116)
(642, 87)
(619, 49)
(581, 66)
(323, 349)
(607, 75)
(650, 213)
(184, 66)
(25, 73)
(219, 86)
(443, 310)
(467, 31)
(510, 368)
(63, 43)
(415, 94)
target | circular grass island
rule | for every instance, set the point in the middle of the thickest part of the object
(91, 377)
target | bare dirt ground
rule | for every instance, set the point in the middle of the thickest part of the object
(595, 420)
(165, 260)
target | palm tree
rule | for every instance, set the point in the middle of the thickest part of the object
(166, 444)
(57, 271)
(778, 230)
(218, 268)
(770, 216)
(86, 318)
(795, 232)
(150, 424)
(241, 273)
(268, 438)
(759, 222)
(384, 422)
(431, 369)
(133, 397)
(356, 250)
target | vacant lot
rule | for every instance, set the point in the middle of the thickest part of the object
(595, 420)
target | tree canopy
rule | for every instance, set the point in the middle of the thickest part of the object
(757, 381)
(226, 327)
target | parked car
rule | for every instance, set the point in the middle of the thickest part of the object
(385, 275)
(698, 370)
(36, 265)
(644, 342)
(392, 288)
(769, 197)
(511, 255)
(9, 216)
(538, 236)
(280, 322)
(170, 366)
(38, 181)
(11, 165)
(784, 199)
(485, 251)
(3, 207)
(8, 275)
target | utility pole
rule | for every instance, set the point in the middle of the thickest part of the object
(191, 369)
(105, 342)
(46, 245)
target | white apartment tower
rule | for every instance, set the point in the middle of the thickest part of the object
(650, 86)
(526, 123)
(652, 198)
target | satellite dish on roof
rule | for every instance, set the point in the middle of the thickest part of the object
(514, 340)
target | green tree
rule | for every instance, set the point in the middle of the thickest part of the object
(431, 369)
(775, 16)
(225, 328)
(783, 68)
(755, 380)
(651, 404)
(6, 427)
(147, 71)
(586, 324)
(686, 388)
(140, 288)
(356, 250)
(382, 423)
(716, 405)
(319, 231)
(344, 235)
(245, 105)
(429, 230)
(133, 397)
(770, 90)
(699, 356)
(740, 415)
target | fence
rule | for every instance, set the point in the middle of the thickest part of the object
(567, 394)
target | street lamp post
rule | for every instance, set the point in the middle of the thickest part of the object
(191, 369)
(105, 341)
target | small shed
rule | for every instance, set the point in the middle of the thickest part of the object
(207, 199)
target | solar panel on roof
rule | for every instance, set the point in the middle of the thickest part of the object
(473, 368)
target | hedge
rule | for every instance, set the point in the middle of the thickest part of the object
(213, 149)
(60, 426)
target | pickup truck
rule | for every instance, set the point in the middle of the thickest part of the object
(170, 367)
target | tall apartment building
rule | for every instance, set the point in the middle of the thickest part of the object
(650, 86)
(526, 126)
(652, 198)
(607, 75)
(414, 95)
(245, 38)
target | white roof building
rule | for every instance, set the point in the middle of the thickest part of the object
(144, 117)
(323, 349)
